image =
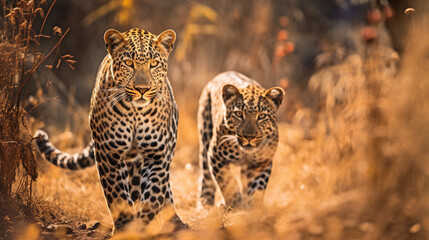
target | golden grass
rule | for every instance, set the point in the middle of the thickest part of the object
(333, 185)
(356, 169)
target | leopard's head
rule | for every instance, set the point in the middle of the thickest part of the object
(251, 113)
(139, 61)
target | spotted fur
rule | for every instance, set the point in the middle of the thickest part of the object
(133, 122)
(237, 123)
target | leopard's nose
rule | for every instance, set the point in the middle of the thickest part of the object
(249, 136)
(142, 88)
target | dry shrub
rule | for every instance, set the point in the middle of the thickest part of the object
(365, 177)
(14, 51)
(398, 147)
(19, 60)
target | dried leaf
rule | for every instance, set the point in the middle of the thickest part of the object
(23, 24)
(40, 12)
(30, 3)
(70, 61)
(28, 161)
(67, 56)
(11, 17)
(57, 30)
(39, 56)
(18, 37)
(70, 64)
(58, 64)
(41, 35)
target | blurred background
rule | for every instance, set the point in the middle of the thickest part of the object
(351, 162)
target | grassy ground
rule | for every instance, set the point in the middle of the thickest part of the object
(75, 198)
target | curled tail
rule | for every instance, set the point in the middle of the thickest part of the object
(75, 161)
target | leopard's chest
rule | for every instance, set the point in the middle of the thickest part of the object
(225, 146)
(153, 131)
(134, 129)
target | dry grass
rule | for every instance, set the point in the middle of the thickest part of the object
(337, 184)
(19, 60)
(355, 168)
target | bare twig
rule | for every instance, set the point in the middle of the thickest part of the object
(37, 37)
(46, 16)
(35, 67)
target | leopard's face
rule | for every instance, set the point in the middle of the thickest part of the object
(251, 113)
(139, 62)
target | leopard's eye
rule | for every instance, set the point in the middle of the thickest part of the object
(129, 63)
(262, 116)
(154, 63)
(238, 114)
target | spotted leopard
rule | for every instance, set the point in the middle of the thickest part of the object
(237, 123)
(133, 122)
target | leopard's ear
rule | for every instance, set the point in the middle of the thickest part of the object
(166, 40)
(229, 91)
(114, 41)
(276, 95)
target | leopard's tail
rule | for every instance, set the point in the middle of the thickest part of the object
(64, 160)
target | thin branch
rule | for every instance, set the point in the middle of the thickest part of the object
(46, 16)
(36, 38)
(35, 67)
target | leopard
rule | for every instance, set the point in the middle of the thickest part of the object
(133, 123)
(237, 129)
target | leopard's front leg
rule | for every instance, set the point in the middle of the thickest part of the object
(155, 187)
(221, 170)
(157, 146)
(257, 179)
(113, 175)
(113, 141)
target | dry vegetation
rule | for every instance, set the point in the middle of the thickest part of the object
(352, 162)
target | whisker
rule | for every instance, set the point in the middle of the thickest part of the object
(115, 99)
(160, 96)
(231, 138)
(111, 89)
(111, 96)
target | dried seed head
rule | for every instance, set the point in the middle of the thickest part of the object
(58, 31)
